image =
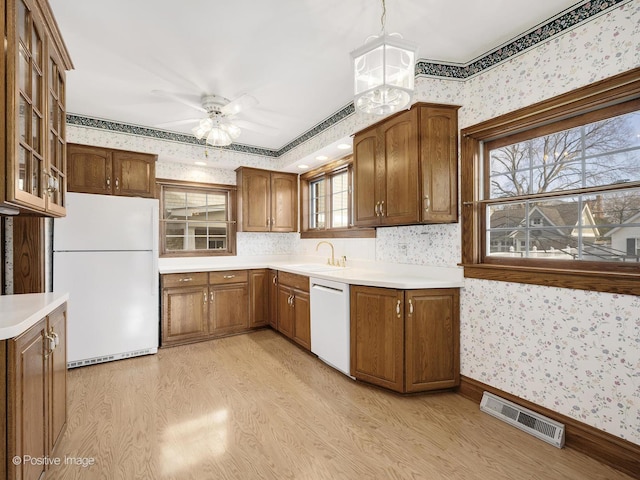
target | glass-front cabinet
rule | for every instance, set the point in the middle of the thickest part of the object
(34, 99)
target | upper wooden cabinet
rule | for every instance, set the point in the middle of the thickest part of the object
(267, 201)
(107, 171)
(405, 168)
(32, 86)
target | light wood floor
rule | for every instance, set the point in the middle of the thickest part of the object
(257, 407)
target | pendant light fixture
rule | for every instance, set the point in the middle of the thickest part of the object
(384, 72)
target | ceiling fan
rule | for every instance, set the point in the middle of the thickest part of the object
(217, 128)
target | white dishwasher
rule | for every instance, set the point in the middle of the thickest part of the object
(330, 323)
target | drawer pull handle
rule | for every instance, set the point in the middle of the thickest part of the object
(275, 280)
(410, 306)
(427, 203)
(398, 308)
(228, 276)
(188, 279)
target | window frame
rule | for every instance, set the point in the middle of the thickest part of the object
(618, 93)
(326, 173)
(209, 188)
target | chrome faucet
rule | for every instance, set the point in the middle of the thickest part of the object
(330, 261)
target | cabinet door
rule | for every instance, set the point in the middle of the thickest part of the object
(302, 319)
(432, 339)
(89, 169)
(439, 164)
(134, 174)
(184, 314)
(285, 311)
(255, 200)
(57, 376)
(365, 201)
(27, 427)
(377, 336)
(56, 178)
(284, 202)
(228, 309)
(400, 199)
(258, 298)
(25, 105)
(273, 299)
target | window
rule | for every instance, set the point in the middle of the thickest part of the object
(558, 201)
(196, 219)
(327, 203)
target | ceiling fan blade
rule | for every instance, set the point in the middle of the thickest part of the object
(243, 102)
(255, 127)
(176, 123)
(192, 101)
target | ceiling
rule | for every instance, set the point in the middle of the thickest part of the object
(291, 55)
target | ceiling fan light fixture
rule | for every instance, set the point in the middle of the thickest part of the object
(384, 72)
(233, 130)
(218, 137)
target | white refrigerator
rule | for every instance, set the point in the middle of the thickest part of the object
(105, 254)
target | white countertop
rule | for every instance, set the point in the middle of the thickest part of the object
(20, 312)
(377, 274)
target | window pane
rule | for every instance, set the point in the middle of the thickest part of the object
(598, 154)
(318, 201)
(340, 200)
(196, 206)
(583, 227)
(175, 205)
(196, 220)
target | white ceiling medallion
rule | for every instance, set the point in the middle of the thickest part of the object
(384, 72)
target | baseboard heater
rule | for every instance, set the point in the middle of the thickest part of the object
(111, 358)
(526, 420)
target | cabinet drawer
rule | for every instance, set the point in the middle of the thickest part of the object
(294, 280)
(184, 279)
(228, 276)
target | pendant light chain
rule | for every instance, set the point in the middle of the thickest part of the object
(383, 18)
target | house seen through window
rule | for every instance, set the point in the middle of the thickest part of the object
(564, 195)
(196, 220)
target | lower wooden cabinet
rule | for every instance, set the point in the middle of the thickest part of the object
(34, 403)
(259, 312)
(185, 308)
(273, 299)
(203, 305)
(294, 308)
(405, 340)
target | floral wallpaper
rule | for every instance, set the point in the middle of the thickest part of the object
(572, 351)
(575, 352)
